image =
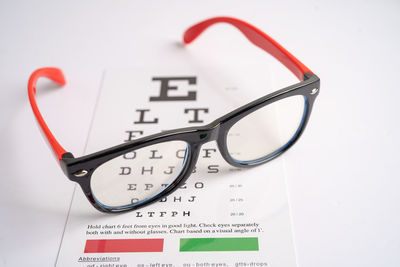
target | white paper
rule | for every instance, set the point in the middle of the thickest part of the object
(217, 201)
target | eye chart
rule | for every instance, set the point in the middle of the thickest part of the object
(221, 216)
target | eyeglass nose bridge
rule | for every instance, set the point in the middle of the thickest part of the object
(208, 133)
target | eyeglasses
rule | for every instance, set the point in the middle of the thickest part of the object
(246, 137)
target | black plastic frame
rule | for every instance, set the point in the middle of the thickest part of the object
(81, 169)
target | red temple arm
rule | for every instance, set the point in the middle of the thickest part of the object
(255, 36)
(57, 76)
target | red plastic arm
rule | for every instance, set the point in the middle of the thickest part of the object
(57, 76)
(255, 36)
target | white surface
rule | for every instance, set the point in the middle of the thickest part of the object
(342, 176)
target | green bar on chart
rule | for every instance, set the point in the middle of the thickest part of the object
(219, 244)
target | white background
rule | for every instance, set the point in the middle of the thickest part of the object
(343, 175)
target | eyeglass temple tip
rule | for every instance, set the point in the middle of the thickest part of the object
(52, 73)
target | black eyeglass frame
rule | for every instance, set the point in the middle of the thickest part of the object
(80, 169)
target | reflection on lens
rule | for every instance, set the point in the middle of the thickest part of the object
(266, 131)
(138, 175)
